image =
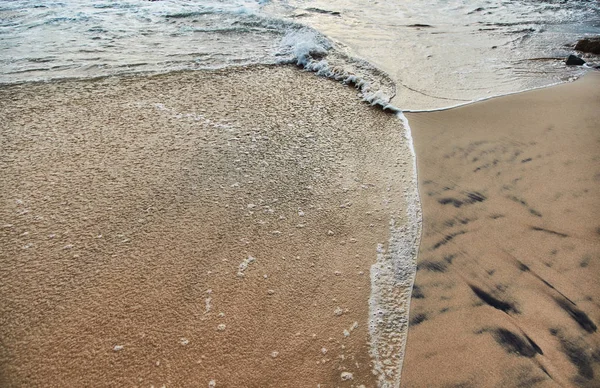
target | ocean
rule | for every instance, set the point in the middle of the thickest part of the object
(416, 54)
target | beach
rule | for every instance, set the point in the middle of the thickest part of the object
(506, 291)
(193, 227)
(263, 193)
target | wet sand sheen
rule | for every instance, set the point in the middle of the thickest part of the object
(191, 227)
(506, 292)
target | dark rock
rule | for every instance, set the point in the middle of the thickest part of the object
(574, 60)
(589, 45)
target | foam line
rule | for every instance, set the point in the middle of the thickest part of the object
(392, 279)
(496, 96)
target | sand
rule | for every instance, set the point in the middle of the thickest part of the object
(193, 227)
(507, 293)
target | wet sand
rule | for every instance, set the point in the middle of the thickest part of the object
(506, 292)
(193, 227)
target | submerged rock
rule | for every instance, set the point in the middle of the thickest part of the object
(589, 45)
(574, 60)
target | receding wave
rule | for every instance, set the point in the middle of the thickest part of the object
(127, 37)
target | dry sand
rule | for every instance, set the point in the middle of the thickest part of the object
(130, 208)
(507, 291)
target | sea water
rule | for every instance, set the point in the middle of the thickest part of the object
(416, 54)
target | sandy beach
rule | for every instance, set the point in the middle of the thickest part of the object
(506, 292)
(195, 228)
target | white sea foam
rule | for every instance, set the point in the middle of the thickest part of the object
(244, 265)
(392, 278)
(313, 52)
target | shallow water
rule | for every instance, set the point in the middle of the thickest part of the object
(83, 39)
(432, 54)
(441, 53)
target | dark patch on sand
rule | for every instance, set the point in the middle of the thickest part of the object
(453, 201)
(535, 212)
(447, 239)
(526, 160)
(578, 316)
(554, 288)
(433, 266)
(534, 345)
(449, 223)
(524, 203)
(476, 197)
(548, 284)
(497, 216)
(514, 343)
(417, 319)
(523, 267)
(449, 258)
(417, 293)
(463, 221)
(578, 356)
(492, 301)
(537, 228)
(472, 197)
(585, 261)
